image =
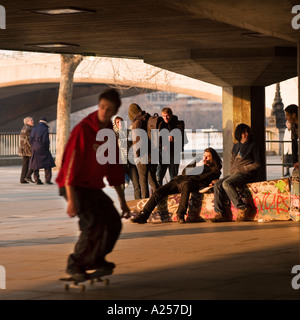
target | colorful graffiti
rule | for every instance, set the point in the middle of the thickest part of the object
(270, 200)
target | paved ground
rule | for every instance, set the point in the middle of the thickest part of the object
(154, 261)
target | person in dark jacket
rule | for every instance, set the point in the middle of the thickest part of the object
(185, 184)
(244, 167)
(170, 123)
(291, 114)
(124, 141)
(25, 150)
(41, 156)
(146, 170)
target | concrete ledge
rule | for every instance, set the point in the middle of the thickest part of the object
(270, 200)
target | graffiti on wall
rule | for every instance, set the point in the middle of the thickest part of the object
(270, 200)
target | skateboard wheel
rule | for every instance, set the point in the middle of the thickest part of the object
(106, 282)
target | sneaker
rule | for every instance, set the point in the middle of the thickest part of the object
(165, 216)
(140, 218)
(220, 218)
(180, 218)
(39, 182)
(77, 274)
(100, 272)
(192, 219)
(105, 265)
(243, 214)
(49, 182)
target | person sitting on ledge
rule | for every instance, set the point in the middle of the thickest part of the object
(244, 168)
(185, 184)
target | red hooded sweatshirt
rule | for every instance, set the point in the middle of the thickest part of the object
(79, 164)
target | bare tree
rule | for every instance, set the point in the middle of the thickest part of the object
(69, 63)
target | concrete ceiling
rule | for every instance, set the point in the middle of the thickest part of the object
(226, 43)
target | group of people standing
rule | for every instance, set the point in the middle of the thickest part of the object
(80, 181)
(34, 148)
(145, 173)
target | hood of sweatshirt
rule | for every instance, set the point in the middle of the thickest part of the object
(93, 123)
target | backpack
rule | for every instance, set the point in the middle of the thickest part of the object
(153, 123)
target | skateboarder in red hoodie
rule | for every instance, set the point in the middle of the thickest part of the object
(81, 181)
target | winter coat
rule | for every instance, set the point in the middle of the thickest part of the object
(41, 156)
(25, 147)
(245, 158)
(295, 142)
(174, 123)
(125, 144)
(140, 122)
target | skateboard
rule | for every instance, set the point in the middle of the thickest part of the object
(294, 206)
(91, 277)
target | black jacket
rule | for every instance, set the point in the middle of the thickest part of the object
(245, 158)
(201, 180)
(295, 142)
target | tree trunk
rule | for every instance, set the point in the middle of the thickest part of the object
(69, 63)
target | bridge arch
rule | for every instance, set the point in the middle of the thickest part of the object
(29, 85)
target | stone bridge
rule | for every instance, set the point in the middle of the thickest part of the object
(29, 84)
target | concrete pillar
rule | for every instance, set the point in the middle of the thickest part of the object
(243, 105)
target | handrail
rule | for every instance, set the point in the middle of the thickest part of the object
(9, 144)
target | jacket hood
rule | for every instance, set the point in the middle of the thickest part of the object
(142, 116)
(93, 122)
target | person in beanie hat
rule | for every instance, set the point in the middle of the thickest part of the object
(134, 110)
(146, 171)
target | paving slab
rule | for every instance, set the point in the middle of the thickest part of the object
(160, 261)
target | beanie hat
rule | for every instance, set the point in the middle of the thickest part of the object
(134, 109)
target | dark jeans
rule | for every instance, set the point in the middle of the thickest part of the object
(132, 172)
(48, 175)
(147, 173)
(176, 185)
(100, 226)
(288, 158)
(26, 172)
(225, 190)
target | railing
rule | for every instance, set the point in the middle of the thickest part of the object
(282, 164)
(9, 144)
(197, 141)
